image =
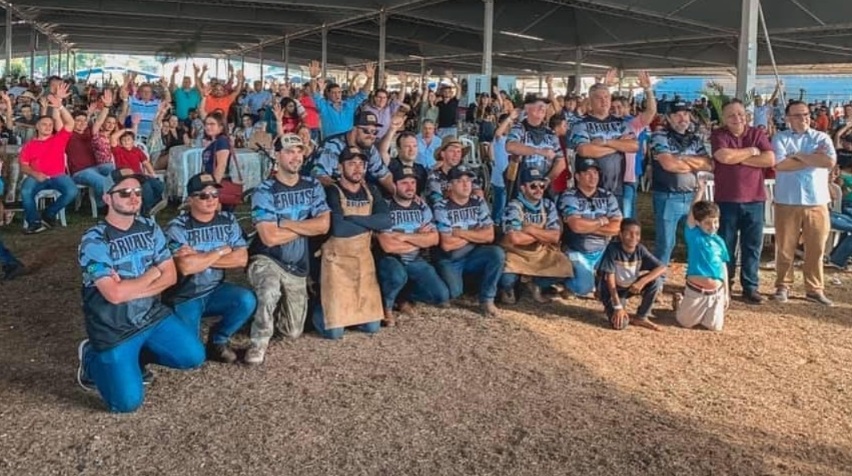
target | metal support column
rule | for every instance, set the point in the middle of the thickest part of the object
(324, 48)
(49, 51)
(747, 58)
(423, 78)
(383, 24)
(488, 40)
(8, 39)
(74, 63)
(32, 52)
(243, 64)
(578, 72)
(286, 59)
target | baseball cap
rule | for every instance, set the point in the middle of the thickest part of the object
(583, 165)
(460, 171)
(199, 182)
(287, 142)
(352, 153)
(404, 172)
(119, 175)
(367, 118)
(679, 106)
(531, 175)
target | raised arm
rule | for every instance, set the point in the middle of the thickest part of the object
(60, 114)
(241, 79)
(650, 112)
(370, 71)
(397, 122)
(10, 118)
(172, 85)
(99, 121)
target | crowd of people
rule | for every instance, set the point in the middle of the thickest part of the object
(372, 207)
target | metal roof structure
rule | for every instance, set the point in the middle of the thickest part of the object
(529, 36)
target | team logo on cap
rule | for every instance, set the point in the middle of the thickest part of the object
(372, 118)
(206, 178)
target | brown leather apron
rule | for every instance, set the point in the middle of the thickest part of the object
(350, 289)
(536, 259)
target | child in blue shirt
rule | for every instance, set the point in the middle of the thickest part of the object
(707, 296)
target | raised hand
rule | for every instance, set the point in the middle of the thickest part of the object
(205, 90)
(403, 78)
(107, 97)
(278, 112)
(644, 80)
(135, 119)
(240, 76)
(610, 78)
(176, 69)
(62, 92)
(548, 80)
(5, 98)
(370, 69)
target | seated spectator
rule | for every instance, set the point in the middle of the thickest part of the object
(840, 222)
(467, 233)
(707, 295)
(43, 162)
(628, 269)
(592, 217)
(129, 156)
(204, 243)
(82, 163)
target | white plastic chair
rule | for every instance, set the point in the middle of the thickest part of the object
(92, 201)
(41, 204)
(471, 159)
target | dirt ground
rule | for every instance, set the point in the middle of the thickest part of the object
(546, 389)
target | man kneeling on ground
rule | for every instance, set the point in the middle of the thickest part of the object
(629, 269)
(126, 264)
(205, 242)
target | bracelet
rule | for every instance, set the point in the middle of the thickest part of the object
(618, 307)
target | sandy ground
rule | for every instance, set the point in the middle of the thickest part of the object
(546, 389)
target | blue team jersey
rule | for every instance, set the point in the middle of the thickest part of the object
(438, 183)
(409, 220)
(539, 137)
(574, 203)
(611, 165)
(106, 251)
(222, 230)
(473, 214)
(273, 202)
(329, 158)
(519, 213)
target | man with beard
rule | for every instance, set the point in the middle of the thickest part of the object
(678, 156)
(335, 113)
(534, 144)
(363, 138)
(402, 266)
(126, 264)
(287, 210)
(349, 289)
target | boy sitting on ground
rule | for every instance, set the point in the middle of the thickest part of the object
(707, 295)
(628, 269)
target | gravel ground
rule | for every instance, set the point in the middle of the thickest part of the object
(546, 389)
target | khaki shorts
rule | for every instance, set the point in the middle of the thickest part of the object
(703, 308)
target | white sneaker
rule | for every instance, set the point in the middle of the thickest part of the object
(255, 355)
(82, 378)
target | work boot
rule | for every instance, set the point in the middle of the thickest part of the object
(489, 309)
(535, 293)
(255, 355)
(389, 320)
(13, 270)
(507, 296)
(221, 353)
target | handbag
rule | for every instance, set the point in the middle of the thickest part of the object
(231, 192)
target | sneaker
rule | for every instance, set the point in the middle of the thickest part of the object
(83, 378)
(819, 298)
(147, 376)
(36, 228)
(753, 297)
(389, 320)
(489, 309)
(508, 296)
(535, 293)
(221, 353)
(157, 208)
(13, 270)
(677, 298)
(781, 295)
(255, 355)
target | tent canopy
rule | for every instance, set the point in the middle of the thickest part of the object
(530, 36)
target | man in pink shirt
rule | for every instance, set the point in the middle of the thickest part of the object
(43, 163)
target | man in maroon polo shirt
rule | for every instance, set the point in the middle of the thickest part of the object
(83, 165)
(742, 156)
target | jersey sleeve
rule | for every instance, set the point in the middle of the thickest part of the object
(568, 205)
(263, 206)
(94, 257)
(176, 235)
(427, 222)
(442, 219)
(319, 202)
(579, 135)
(484, 216)
(161, 248)
(553, 222)
(512, 219)
(612, 208)
(236, 239)
(660, 144)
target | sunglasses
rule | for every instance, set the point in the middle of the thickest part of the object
(369, 132)
(206, 195)
(536, 186)
(128, 192)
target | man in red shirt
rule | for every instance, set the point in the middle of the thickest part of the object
(742, 154)
(43, 163)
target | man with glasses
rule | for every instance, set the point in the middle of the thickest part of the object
(531, 241)
(362, 137)
(204, 243)
(126, 264)
(742, 155)
(286, 210)
(804, 158)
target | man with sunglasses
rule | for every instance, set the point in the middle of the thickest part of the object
(204, 243)
(362, 137)
(531, 241)
(466, 232)
(126, 264)
(287, 210)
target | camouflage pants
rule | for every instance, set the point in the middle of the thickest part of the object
(282, 301)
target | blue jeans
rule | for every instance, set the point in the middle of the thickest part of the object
(447, 131)
(649, 295)
(742, 223)
(585, 266)
(425, 284)
(670, 211)
(841, 253)
(334, 334)
(116, 371)
(97, 178)
(509, 280)
(6, 256)
(628, 200)
(152, 193)
(485, 260)
(30, 187)
(498, 197)
(235, 304)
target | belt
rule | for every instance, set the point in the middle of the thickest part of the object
(706, 292)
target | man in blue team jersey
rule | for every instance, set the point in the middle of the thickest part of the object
(286, 210)
(205, 242)
(402, 264)
(126, 264)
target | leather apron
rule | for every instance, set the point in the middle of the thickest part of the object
(536, 259)
(350, 289)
